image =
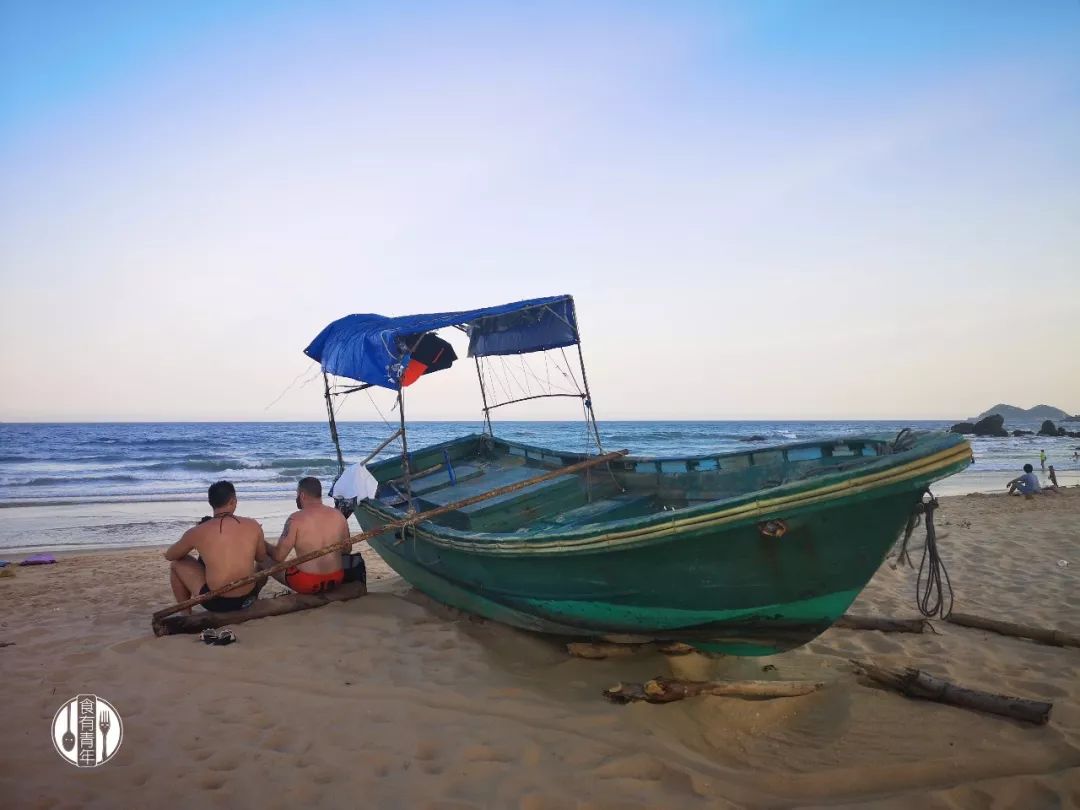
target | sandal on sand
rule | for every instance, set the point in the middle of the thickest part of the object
(218, 637)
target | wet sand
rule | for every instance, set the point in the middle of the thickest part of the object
(390, 701)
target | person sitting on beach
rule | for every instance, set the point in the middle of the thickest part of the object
(1026, 484)
(228, 547)
(314, 527)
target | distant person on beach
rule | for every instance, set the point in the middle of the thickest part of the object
(1026, 484)
(1042, 460)
(314, 526)
(228, 547)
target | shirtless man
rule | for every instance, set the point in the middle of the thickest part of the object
(315, 526)
(228, 547)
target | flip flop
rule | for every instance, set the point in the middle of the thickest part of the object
(218, 637)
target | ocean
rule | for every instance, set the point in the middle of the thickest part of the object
(70, 486)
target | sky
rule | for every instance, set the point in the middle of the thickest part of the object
(764, 210)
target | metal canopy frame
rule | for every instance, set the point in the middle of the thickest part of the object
(402, 432)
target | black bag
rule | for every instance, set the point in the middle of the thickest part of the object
(354, 568)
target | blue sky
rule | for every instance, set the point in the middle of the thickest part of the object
(774, 210)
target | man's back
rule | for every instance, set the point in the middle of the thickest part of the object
(227, 546)
(317, 526)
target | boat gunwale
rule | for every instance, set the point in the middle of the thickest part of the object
(883, 472)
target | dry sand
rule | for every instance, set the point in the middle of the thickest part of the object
(389, 701)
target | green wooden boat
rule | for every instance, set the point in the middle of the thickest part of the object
(746, 553)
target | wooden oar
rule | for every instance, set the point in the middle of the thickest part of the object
(345, 545)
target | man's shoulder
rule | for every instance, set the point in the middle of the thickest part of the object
(198, 530)
(249, 523)
(328, 510)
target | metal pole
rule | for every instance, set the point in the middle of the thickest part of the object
(483, 395)
(405, 449)
(588, 396)
(333, 423)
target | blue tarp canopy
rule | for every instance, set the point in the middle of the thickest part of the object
(374, 348)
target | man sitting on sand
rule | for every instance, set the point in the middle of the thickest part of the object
(1026, 484)
(228, 547)
(315, 526)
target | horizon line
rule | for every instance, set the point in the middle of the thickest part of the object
(479, 420)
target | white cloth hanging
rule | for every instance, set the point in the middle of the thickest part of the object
(355, 482)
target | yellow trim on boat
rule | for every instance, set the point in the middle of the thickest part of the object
(913, 469)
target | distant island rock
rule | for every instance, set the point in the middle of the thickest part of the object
(992, 425)
(1011, 413)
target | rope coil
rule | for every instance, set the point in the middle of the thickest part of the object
(933, 588)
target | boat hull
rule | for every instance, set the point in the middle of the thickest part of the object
(752, 579)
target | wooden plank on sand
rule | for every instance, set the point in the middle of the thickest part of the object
(918, 684)
(1043, 635)
(882, 623)
(289, 603)
(668, 690)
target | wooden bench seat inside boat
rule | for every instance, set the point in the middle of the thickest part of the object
(617, 507)
(441, 478)
(508, 512)
(516, 510)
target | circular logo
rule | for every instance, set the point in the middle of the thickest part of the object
(87, 731)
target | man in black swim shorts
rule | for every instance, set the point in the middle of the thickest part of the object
(227, 545)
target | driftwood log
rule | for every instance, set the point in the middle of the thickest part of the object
(289, 603)
(1043, 635)
(668, 690)
(886, 625)
(598, 650)
(918, 684)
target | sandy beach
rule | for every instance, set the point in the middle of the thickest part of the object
(391, 701)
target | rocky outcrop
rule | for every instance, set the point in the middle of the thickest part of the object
(1048, 429)
(1023, 433)
(993, 425)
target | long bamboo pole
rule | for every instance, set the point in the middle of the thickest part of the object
(381, 447)
(345, 545)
